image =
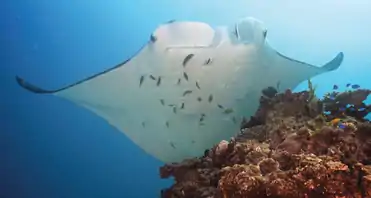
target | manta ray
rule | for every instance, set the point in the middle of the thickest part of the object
(189, 86)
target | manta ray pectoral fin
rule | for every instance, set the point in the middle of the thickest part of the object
(290, 72)
(334, 63)
(295, 64)
(38, 90)
(32, 88)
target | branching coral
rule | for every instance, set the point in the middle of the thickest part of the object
(288, 149)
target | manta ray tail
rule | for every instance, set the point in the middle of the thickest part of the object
(334, 63)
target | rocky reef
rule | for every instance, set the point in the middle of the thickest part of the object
(295, 146)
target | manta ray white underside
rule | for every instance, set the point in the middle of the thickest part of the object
(189, 87)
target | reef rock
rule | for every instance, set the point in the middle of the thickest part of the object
(290, 148)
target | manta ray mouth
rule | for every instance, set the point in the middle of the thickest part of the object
(246, 33)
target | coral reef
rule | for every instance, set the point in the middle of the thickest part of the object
(295, 146)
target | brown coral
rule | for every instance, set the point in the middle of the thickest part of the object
(288, 149)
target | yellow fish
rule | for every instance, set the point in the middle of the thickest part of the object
(335, 121)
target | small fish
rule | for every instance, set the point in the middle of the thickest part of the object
(171, 21)
(228, 111)
(269, 92)
(171, 105)
(199, 99)
(355, 86)
(210, 98)
(187, 58)
(152, 77)
(342, 109)
(141, 81)
(167, 124)
(185, 75)
(197, 85)
(202, 124)
(143, 124)
(220, 106)
(327, 112)
(347, 85)
(187, 92)
(234, 119)
(208, 61)
(172, 145)
(348, 105)
(174, 110)
(202, 118)
(178, 83)
(235, 32)
(153, 38)
(278, 84)
(158, 81)
(361, 109)
(342, 126)
(182, 106)
(352, 109)
(162, 101)
(335, 87)
(335, 121)
(193, 142)
(332, 96)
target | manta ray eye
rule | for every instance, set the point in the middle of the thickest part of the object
(153, 38)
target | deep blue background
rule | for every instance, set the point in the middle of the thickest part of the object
(52, 148)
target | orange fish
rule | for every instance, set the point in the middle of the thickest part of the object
(335, 121)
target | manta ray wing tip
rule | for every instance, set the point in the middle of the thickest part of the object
(335, 63)
(340, 55)
(20, 81)
(30, 87)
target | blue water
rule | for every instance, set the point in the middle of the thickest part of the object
(50, 148)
